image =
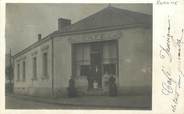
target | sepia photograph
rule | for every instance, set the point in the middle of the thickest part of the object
(95, 56)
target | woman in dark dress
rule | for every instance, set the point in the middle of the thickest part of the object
(90, 78)
(71, 89)
(112, 87)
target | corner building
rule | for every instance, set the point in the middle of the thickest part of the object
(113, 40)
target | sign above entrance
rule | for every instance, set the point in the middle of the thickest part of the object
(94, 37)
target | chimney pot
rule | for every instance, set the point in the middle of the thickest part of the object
(39, 37)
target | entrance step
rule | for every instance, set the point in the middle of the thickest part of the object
(95, 92)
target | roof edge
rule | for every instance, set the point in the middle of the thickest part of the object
(33, 45)
(54, 34)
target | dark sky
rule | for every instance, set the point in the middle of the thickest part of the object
(25, 21)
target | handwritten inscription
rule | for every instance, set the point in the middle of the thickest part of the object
(171, 52)
(167, 85)
(167, 2)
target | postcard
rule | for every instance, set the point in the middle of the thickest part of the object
(92, 57)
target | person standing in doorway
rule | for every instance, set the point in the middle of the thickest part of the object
(105, 82)
(112, 86)
(90, 78)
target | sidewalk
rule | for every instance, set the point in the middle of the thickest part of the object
(97, 102)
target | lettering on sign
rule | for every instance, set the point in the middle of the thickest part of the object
(95, 37)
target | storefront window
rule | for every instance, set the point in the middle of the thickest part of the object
(109, 53)
(102, 55)
(110, 68)
(84, 70)
(81, 59)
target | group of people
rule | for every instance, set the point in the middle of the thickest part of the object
(93, 78)
(107, 82)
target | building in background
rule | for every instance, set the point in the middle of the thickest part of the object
(113, 41)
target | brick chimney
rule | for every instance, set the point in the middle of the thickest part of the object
(39, 37)
(63, 23)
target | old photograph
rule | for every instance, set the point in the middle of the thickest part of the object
(78, 56)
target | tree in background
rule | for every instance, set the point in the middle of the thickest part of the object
(9, 73)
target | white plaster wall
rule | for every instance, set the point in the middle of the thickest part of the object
(135, 59)
(62, 64)
(29, 86)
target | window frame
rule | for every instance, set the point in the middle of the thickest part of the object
(34, 66)
(24, 71)
(45, 65)
(18, 72)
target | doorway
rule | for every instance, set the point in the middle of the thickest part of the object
(96, 63)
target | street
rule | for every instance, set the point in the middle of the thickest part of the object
(14, 103)
(86, 102)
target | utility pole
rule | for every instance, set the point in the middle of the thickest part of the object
(10, 73)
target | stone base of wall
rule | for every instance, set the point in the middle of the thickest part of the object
(36, 91)
(62, 92)
(143, 90)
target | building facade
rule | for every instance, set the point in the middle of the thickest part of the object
(113, 42)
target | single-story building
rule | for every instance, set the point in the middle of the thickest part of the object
(112, 42)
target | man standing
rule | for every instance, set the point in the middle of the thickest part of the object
(90, 78)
